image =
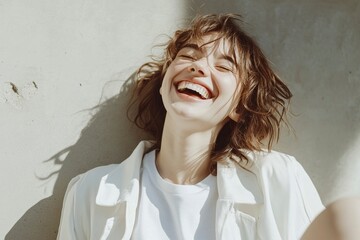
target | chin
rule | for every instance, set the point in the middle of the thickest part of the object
(187, 114)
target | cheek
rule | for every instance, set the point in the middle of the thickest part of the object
(165, 82)
(166, 86)
(229, 87)
(169, 74)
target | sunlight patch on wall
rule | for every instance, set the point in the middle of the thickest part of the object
(347, 180)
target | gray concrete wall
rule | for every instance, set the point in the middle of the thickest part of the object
(64, 70)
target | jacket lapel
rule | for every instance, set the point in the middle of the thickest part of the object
(240, 202)
(120, 189)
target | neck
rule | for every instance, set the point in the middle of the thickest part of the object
(184, 156)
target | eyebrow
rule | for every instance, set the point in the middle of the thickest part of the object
(228, 58)
(199, 48)
(192, 45)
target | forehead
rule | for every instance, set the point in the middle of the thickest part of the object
(211, 41)
(214, 42)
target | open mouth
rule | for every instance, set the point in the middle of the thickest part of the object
(194, 90)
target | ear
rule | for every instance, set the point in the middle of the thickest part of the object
(234, 116)
(160, 90)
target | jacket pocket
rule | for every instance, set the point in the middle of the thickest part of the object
(234, 224)
(109, 223)
(246, 224)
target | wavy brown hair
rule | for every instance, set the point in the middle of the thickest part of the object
(263, 97)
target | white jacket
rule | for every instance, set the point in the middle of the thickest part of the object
(273, 199)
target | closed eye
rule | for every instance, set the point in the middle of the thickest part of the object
(224, 68)
(187, 56)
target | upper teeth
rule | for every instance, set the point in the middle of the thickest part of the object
(204, 93)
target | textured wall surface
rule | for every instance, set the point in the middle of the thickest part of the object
(64, 80)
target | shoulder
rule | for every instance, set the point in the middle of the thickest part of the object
(85, 186)
(127, 165)
(275, 165)
(114, 179)
(283, 182)
(270, 160)
(92, 177)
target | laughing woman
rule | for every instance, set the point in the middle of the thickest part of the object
(211, 104)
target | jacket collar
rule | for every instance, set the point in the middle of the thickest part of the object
(238, 184)
(122, 183)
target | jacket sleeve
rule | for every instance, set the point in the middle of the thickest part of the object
(68, 221)
(311, 200)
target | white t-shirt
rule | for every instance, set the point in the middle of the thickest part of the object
(173, 211)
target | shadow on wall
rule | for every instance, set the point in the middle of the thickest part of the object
(108, 138)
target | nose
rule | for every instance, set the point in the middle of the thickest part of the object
(194, 70)
(197, 69)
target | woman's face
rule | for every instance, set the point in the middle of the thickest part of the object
(201, 83)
